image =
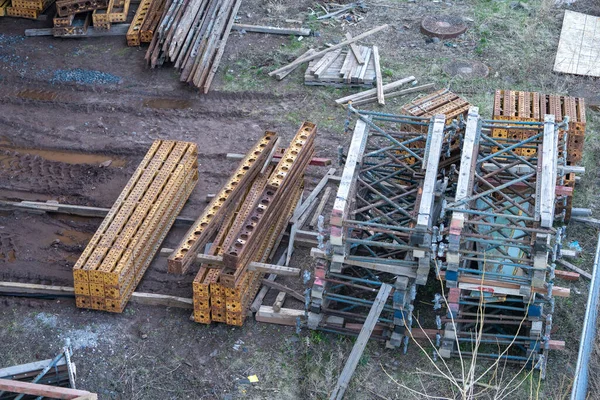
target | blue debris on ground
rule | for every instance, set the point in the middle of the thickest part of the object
(84, 76)
(9, 39)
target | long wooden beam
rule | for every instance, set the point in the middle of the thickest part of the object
(271, 29)
(35, 389)
(361, 342)
(38, 207)
(489, 283)
(15, 288)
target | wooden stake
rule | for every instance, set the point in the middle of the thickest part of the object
(279, 302)
(320, 207)
(378, 77)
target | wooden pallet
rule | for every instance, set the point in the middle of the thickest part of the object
(117, 256)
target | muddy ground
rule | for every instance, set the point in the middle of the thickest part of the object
(59, 128)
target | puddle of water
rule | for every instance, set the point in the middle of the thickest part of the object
(67, 157)
(70, 237)
(169, 104)
(41, 95)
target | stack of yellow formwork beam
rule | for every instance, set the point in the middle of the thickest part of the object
(4, 4)
(30, 9)
(532, 107)
(120, 251)
(221, 298)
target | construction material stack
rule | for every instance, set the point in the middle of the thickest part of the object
(247, 219)
(145, 21)
(479, 202)
(122, 248)
(532, 106)
(342, 67)
(441, 102)
(192, 35)
(383, 223)
(501, 241)
(74, 17)
(30, 9)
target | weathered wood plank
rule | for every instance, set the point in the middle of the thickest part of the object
(354, 49)
(320, 207)
(36, 389)
(285, 316)
(371, 92)
(283, 288)
(271, 29)
(361, 342)
(279, 300)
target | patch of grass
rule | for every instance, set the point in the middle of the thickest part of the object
(243, 75)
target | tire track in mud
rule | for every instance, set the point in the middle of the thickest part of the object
(145, 103)
(27, 172)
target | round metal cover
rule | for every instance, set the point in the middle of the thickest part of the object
(443, 26)
(466, 69)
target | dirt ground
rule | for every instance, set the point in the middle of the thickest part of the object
(69, 106)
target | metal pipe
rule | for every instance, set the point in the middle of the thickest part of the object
(580, 383)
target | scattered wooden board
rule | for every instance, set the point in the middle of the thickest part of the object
(578, 49)
(286, 316)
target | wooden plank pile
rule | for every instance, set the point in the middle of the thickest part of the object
(122, 248)
(192, 34)
(328, 56)
(245, 223)
(341, 68)
(30, 9)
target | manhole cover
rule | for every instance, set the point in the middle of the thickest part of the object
(466, 69)
(443, 26)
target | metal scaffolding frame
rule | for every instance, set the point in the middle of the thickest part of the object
(479, 201)
(501, 243)
(384, 221)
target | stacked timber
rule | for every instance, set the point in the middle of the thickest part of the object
(30, 9)
(252, 210)
(120, 251)
(341, 68)
(192, 34)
